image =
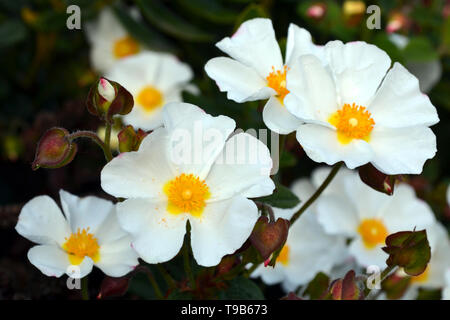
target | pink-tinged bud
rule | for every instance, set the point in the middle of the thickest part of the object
(54, 150)
(130, 140)
(377, 180)
(106, 90)
(267, 237)
(113, 287)
(397, 21)
(316, 11)
(346, 288)
(107, 98)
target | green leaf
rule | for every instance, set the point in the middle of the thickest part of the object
(409, 250)
(287, 160)
(11, 32)
(282, 198)
(167, 21)
(419, 49)
(317, 289)
(241, 288)
(210, 10)
(142, 33)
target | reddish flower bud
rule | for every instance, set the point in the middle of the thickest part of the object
(395, 286)
(107, 98)
(267, 237)
(130, 140)
(317, 11)
(54, 150)
(113, 287)
(397, 21)
(346, 288)
(376, 179)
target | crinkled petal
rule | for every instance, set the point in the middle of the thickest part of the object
(299, 42)
(368, 256)
(337, 215)
(117, 258)
(278, 119)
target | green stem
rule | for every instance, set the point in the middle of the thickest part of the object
(252, 268)
(94, 137)
(316, 194)
(170, 281)
(152, 280)
(187, 265)
(84, 288)
(384, 274)
(108, 140)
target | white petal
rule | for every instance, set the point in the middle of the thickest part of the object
(312, 90)
(110, 230)
(195, 137)
(269, 275)
(254, 44)
(243, 167)
(337, 215)
(172, 72)
(117, 258)
(321, 145)
(368, 256)
(403, 150)
(278, 119)
(49, 259)
(399, 102)
(241, 83)
(337, 185)
(41, 221)
(358, 68)
(299, 43)
(140, 118)
(223, 228)
(157, 235)
(88, 212)
(140, 174)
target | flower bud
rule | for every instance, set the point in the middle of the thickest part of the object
(397, 21)
(346, 288)
(267, 237)
(107, 98)
(376, 179)
(353, 12)
(316, 11)
(130, 140)
(54, 149)
(113, 287)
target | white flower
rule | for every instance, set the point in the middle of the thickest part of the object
(308, 249)
(87, 234)
(153, 79)
(434, 275)
(189, 171)
(109, 41)
(446, 290)
(368, 216)
(256, 70)
(356, 113)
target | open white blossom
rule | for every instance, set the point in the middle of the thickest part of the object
(190, 170)
(256, 70)
(357, 111)
(153, 79)
(87, 234)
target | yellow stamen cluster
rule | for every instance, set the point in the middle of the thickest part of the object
(81, 244)
(352, 122)
(187, 194)
(373, 232)
(277, 81)
(149, 98)
(124, 47)
(283, 257)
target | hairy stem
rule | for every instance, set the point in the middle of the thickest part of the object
(95, 138)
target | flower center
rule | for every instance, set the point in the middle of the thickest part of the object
(277, 81)
(283, 257)
(81, 244)
(352, 122)
(125, 46)
(421, 278)
(372, 232)
(150, 98)
(186, 194)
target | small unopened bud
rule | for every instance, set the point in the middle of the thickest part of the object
(397, 21)
(316, 11)
(376, 179)
(54, 150)
(113, 287)
(353, 12)
(130, 140)
(267, 237)
(106, 90)
(346, 288)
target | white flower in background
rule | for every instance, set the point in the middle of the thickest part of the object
(256, 70)
(308, 249)
(109, 41)
(434, 275)
(356, 113)
(446, 290)
(87, 234)
(189, 170)
(368, 216)
(153, 79)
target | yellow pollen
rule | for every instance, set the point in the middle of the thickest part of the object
(352, 122)
(277, 81)
(124, 47)
(186, 194)
(81, 244)
(149, 98)
(373, 232)
(283, 257)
